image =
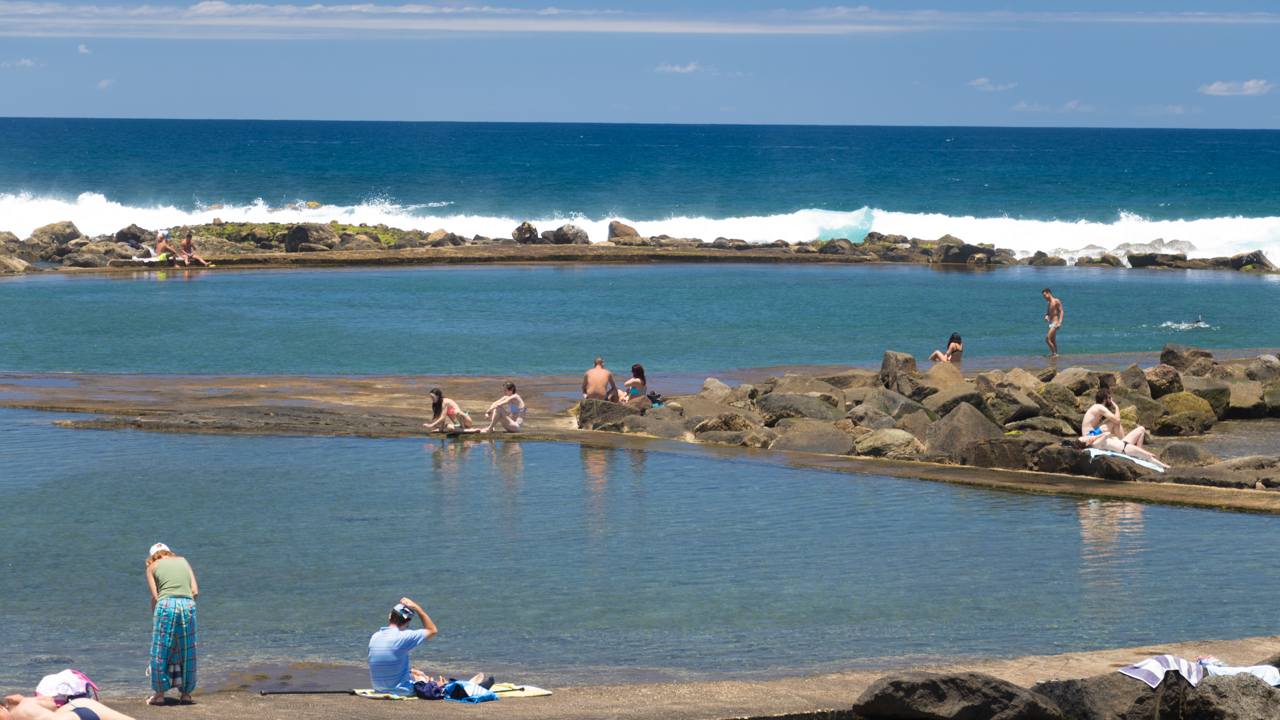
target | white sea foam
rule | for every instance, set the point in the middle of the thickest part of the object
(94, 214)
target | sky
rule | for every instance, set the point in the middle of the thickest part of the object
(1209, 63)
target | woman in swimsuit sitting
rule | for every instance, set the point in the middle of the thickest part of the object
(507, 410)
(636, 387)
(17, 707)
(954, 353)
(446, 415)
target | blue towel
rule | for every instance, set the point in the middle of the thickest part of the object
(467, 692)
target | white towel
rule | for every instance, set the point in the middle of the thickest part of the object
(1151, 671)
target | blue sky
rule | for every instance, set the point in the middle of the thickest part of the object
(1090, 63)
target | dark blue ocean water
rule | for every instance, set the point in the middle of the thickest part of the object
(755, 182)
(559, 565)
(535, 320)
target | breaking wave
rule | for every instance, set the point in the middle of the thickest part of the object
(95, 214)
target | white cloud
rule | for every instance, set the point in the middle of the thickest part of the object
(1071, 106)
(985, 85)
(1246, 87)
(19, 64)
(106, 83)
(1077, 106)
(686, 69)
(83, 49)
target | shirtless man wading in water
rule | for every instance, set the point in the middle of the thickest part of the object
(1052, 315)
(598, 383)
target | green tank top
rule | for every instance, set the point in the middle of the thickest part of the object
(173, 577)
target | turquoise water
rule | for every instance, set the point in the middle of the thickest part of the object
(565, 564)
(535, 320)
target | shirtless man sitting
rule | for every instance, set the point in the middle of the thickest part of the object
(598, 383)
(1102, 429)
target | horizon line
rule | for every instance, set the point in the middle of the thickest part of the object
(940, 126)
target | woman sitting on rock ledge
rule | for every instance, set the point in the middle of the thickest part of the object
(446, 414)
(954, 353)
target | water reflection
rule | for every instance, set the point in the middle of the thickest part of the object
(596, 470)
(1111, 532)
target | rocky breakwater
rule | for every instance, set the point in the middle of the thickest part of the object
(1110, 696)
(1010, 419)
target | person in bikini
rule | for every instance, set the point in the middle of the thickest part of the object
(954, 353)
(637, 386)
(446, 415)
(507, 411)
(1102, 429)
(1054, 315)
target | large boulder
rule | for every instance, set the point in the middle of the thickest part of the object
(1271, 396)
(443, 238)
(1007, 405)
(868, 417)
(1014, 452)
(726, 422)
(813, 436)
(358, 242)
(898, 371)
(1163, 379)
(620, 230)
(1186, 454)
(525, 233)
(714, 390)
(894, 404)
(1188, 414)
(567, 235)
(963, 425)
(1059, 401)
(776, 406)
(1112, 696)
(86, 260)
(1254, 260)
(1216, 392)
(10, 264)
(1061, 459)
(1133, 378)
(1247, 401)
(889, 443)
(959, 696)
(135, 236)
(1181, 356)
(310, 235)
(1078, 380)
(604, 415)
(937, 378)
(1263, 369)
(56, 234)
(1147, 411)
(669, 427)
(805, 385)
(945, 400)
(1049, 425)
(838, 246)
(1236, 697)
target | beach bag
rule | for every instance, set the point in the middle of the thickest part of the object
(428, 690)
(467, 692)
(655, 399)
(66, 685)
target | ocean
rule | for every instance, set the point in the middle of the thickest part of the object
(1061, 190)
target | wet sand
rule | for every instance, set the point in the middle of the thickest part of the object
(826, 695)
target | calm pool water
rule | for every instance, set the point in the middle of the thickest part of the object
(557, 562)
(538, 320)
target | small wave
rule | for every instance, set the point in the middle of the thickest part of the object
(95, 214)
(1184, 326)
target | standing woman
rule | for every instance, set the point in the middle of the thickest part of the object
(173, 640)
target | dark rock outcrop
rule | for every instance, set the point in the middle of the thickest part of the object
(309, 236)
(960, 696)
(1216, 392)
(525, 233)
(889, 443)
(777, 406)
(963, 425)
(896, 372)
(1163, 379)
(621, 230)
(1181, 356)
(813, 436)
(604, 415)
(566, 235)
(1188, 414)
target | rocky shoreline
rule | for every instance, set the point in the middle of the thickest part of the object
(1004, 419)
(62, 245)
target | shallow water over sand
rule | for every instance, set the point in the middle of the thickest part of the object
(552, 561)
(538, 320)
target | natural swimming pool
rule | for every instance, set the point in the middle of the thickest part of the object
(532, 320)
(561, 562)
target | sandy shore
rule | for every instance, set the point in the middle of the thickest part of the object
(817, 696)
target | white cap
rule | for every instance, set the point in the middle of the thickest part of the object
(157, 548)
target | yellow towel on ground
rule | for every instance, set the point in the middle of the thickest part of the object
(507, 690)
(368, 693)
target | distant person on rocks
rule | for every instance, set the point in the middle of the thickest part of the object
(637, 387)
(507, 411)
(165, 251)
(18, 707)
(1104, 416)
(954, 352)
(174, 638)
(446, 415)
(187, 251)
(1053, 315)
(598, 383)
(390, 646)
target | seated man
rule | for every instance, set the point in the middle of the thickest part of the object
(390, 646)
(598, 383)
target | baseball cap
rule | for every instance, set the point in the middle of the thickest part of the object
(405, 612)
(157, 548)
